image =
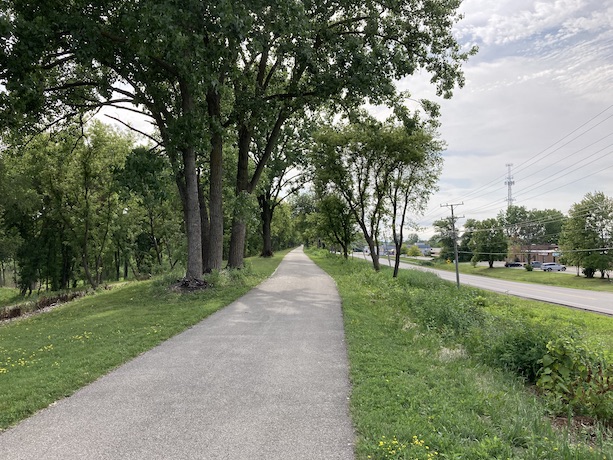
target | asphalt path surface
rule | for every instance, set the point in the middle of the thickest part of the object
(600, 302)
(264, 378)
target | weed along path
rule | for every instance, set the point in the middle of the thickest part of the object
(264, 378)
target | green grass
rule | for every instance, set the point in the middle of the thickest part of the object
(413, 387)
(9, 296)
(49, 356)
(535, 276)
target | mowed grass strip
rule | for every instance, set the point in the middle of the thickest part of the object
(50, 355)
(417, 396)
(536, 276)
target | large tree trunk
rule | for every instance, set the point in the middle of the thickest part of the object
(236, 256)
(266, 213)
(205, 226)
(214, 252)
(192, 215)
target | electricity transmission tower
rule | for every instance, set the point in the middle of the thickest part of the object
(509, 182)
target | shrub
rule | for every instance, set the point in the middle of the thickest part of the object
(516, 345)
(578, 377)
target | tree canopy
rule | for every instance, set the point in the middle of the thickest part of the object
(587, 235)
(209, 73)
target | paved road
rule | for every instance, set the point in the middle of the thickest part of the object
(601, 302)
(264, 378)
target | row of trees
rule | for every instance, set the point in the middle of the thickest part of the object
(92, 206)
(584, 237)
(219, 81)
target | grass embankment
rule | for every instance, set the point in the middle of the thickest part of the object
(50, 355)
(9, 296)
(522, 275)
(417, 393)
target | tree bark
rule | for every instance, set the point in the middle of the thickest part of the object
(266, 213)
(236, 256)
(214, 252)
(192, 214)
(205, 224)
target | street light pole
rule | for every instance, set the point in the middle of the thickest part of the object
(455, 240)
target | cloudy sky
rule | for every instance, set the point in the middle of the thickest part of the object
(539, 96)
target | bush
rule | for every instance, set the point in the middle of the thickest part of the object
(511, 344)
(578, 377)
(528, 267)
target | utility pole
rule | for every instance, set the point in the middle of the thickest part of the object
(455, 239)
(509, 183)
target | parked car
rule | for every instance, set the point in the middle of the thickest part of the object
(513, 264)
(536, 264)
(553, 267)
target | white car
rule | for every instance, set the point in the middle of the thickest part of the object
(552, 267)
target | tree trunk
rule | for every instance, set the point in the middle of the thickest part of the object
(117, 260)
(397, 259)
(374, 252)
(214, 252)
(87, 270)
(205, 224)
(192, 215)
(156, 245)
(266, 213)
(236, 256)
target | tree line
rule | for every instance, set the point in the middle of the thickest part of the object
(225, 84)
(584, 237)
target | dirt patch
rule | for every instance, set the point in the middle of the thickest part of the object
(190, 285)
(582, 428)
(41, 305)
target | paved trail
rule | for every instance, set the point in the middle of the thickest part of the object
(264, 378)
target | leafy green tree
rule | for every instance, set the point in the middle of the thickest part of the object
(146, 186)
(528, 227)
(380, 170)
(411, 239)
(307, 55)
(349, 163)
(199, 69)
(304, 217)
(488, 241)
(587, 235)
(43, 249)
(64, 204)
(336, 222)
(156, 58)
(417, 162)
(443, 238)
(283, 176)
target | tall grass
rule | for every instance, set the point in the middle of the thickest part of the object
(431, 372)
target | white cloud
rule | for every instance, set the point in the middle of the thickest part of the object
(544, 70)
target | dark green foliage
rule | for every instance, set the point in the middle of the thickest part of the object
(513, 344)
(577, 376)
